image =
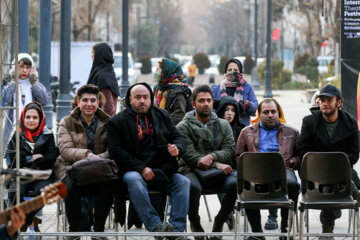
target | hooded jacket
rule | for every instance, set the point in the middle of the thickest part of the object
(201, 138)
(123, 142)
(102, 75)
(72, 140)
(237, 124)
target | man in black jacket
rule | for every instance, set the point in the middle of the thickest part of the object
(330, 129)
(145, 145)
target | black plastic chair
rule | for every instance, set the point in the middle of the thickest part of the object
(268, 171)
(330, 171)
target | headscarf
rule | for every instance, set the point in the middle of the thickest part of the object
(281, 112)
(171, 76)
(233, 80)
(102, 72)
(26, 133)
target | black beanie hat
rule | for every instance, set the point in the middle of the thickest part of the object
(234, 60)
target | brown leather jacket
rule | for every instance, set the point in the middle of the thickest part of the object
(287, 137)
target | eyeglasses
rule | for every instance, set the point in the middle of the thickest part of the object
(22, 67)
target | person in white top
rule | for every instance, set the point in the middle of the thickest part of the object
(30, 89)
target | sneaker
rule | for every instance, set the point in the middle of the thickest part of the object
(163, 227)
(72, 238)
(271, 224)
(99, 238)
(327, 229)
(256, 238)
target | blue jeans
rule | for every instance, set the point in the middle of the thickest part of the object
(178, 189)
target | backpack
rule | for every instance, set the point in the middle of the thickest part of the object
(188, 94)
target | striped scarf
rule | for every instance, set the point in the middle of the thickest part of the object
(233, 80)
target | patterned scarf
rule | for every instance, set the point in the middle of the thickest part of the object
(233, 80)
(171, 75)
(26, 133)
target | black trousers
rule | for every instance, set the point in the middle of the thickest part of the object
(254, 216)
(227, 186)
(103, 192)
(35, 187)
(328, 216)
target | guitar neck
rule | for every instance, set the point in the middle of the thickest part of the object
(27, 207)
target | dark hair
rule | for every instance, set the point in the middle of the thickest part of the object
(236, 61)
(26, 61)
(199, 89)
(101, 98)
(268, 100)
(35, 106)
(89, 89)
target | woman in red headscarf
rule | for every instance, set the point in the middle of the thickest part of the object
(37, 151)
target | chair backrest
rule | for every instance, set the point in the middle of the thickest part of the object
(261, 175)
(325, 176)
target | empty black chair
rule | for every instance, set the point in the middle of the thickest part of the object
(262, 185)
(326, 184)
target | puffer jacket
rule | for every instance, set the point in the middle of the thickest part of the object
(200, 139)
(72, 141)
(286, 136)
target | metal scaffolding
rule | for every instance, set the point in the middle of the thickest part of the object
(8, 52)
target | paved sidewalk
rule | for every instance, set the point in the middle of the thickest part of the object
(295, 108)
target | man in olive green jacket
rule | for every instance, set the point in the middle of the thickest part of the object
(210, 146)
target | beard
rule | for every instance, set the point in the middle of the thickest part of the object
(203, 114)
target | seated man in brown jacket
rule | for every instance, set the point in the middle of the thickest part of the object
(82, 134)
(271, 134)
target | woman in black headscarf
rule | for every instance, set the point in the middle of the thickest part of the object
(102, 75)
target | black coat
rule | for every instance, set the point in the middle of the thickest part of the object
(123, 144)
(314, 136)
(45, 145)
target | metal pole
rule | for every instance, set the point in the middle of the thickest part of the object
(23, 19)
(255, 80)
(1, 114)
(138, 32)
(268, 93)
(125, 48)
(17, 144)
(44, 54)
(63, 103)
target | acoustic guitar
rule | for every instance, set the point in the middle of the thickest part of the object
(50, 194)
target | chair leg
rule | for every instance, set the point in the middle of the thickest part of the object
(245, 223)
(307, 222)
(350, 219)
(293, 220)
(58, 217)
(301, 224)
(166, 208)
(353, 225)
(357, 223)
(236, 224)
(290, 222)
(207, 208)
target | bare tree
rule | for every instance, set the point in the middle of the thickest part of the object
(84, 14)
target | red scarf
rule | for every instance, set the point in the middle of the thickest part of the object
(31, 136)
